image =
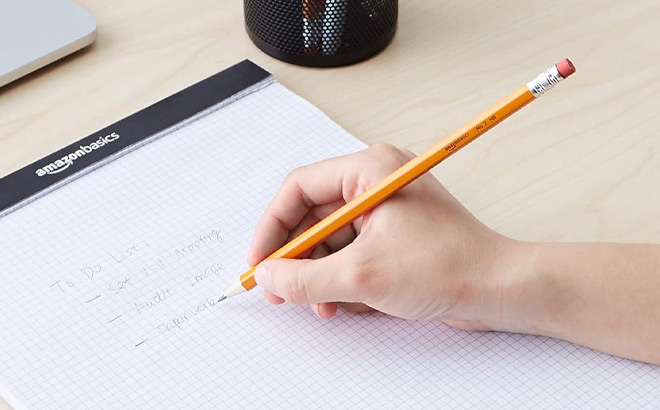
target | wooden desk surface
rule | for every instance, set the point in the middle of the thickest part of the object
(582, 164)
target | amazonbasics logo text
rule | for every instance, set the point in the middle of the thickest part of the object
(66, 161)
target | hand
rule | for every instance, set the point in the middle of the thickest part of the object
(419, 255)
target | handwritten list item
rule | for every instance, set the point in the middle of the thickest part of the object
(110, 286)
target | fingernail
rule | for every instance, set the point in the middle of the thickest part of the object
(263, 277)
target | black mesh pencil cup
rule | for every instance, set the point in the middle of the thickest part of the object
(321, 33)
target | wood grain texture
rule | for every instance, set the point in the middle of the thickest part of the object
(582, 164)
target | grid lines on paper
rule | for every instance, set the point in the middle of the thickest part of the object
(148, 240)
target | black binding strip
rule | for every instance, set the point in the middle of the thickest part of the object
(42, 174)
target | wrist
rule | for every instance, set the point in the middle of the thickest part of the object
(530, 294)
(508, 286)
(495, 294)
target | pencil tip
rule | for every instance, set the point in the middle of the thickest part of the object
(223, 297)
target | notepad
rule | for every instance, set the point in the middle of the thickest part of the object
(116, 248)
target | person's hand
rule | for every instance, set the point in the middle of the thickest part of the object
(421, 255)
(418, 255)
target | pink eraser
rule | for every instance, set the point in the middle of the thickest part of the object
(565, 67)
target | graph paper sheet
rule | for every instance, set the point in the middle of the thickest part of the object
(110, 282)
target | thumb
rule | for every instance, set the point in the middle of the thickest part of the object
(301, 282)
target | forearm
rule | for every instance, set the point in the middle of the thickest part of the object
(605, 296)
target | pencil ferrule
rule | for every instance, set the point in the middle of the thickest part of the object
(545, 81)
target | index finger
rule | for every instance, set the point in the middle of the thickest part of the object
(312, 185)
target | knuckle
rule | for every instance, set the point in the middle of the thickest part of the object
(362, 279)
(291, 185)
(388, 153)
(292, 177)
(367, 277)
(383, 149)
(294, 290)
(408, 154)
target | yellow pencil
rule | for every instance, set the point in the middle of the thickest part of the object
(412, 170)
